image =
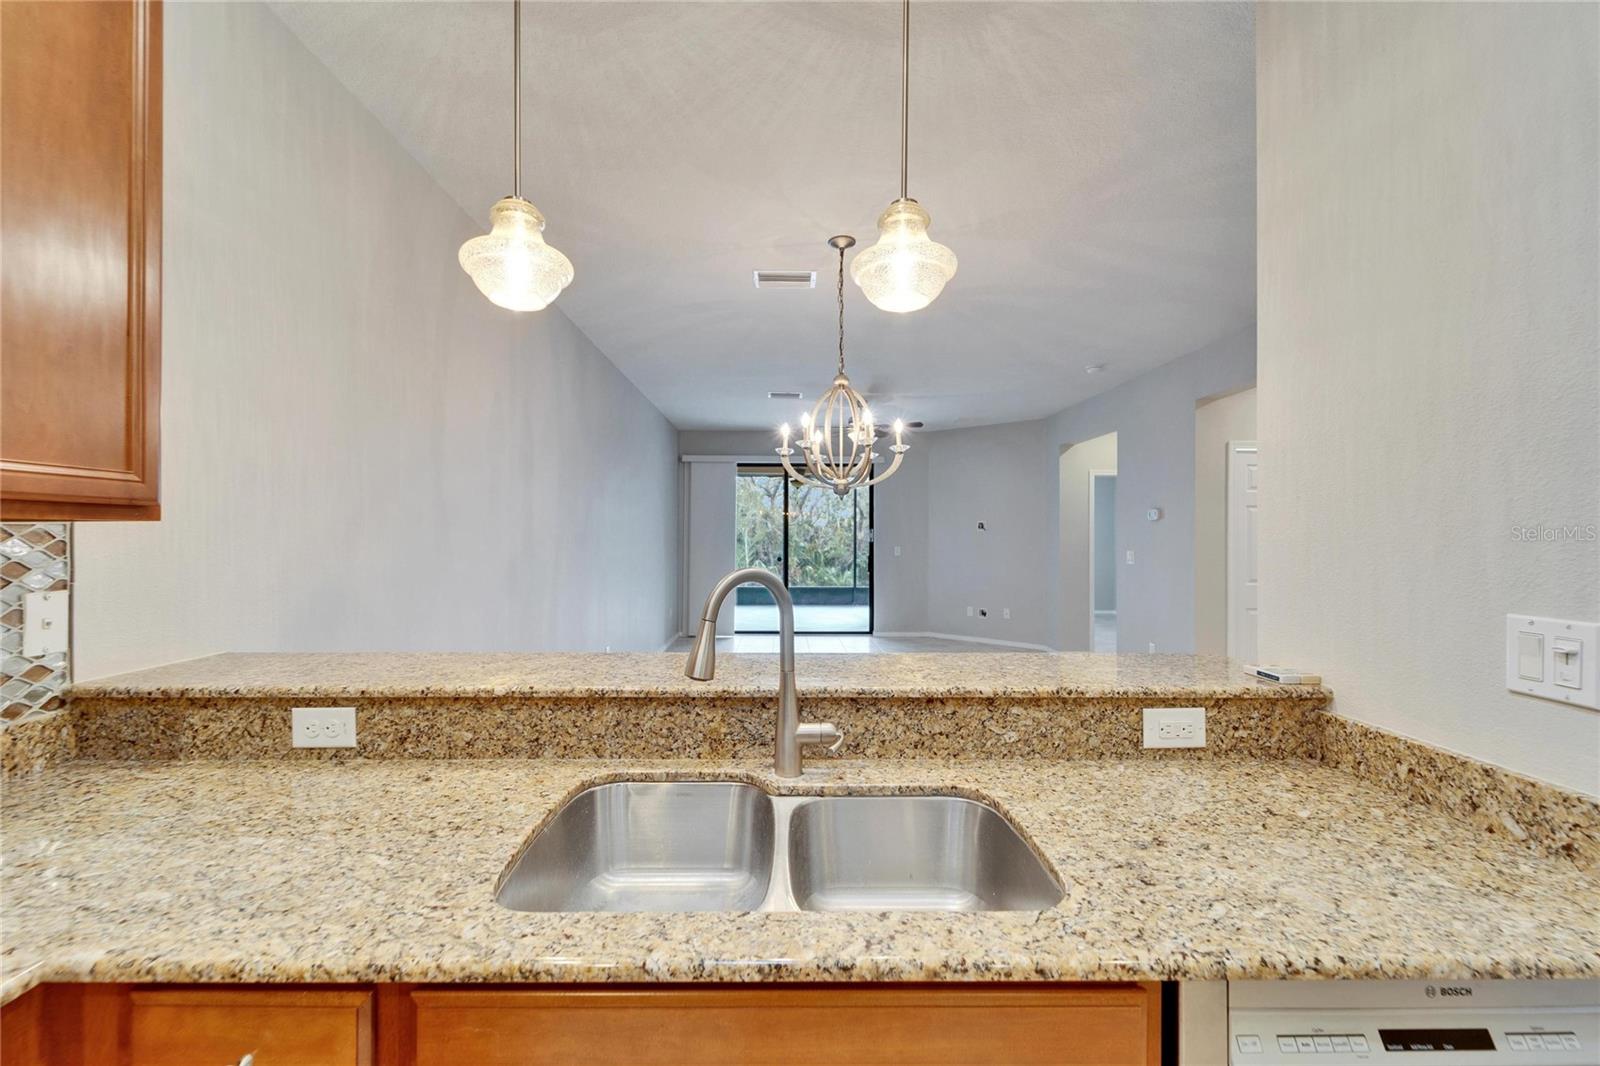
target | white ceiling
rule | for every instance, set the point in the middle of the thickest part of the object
(1092, 165)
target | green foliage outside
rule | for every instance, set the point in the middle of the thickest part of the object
(820, 531)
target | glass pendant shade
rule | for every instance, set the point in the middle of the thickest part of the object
(511, 264)
(906, 269)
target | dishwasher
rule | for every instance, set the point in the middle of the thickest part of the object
(1433, 1023)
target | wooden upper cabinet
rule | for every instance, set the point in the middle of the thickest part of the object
(80, 242)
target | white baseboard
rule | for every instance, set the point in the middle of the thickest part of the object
(969, 640)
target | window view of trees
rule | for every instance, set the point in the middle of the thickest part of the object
(827, 532)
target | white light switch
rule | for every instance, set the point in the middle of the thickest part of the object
(1553, 659)
(1530, 656)
(44, 623)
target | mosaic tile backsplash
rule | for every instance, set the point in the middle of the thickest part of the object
(34, 557)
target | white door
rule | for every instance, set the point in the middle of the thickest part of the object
(1244, 587)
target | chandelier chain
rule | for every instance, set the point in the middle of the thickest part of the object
(841, 310)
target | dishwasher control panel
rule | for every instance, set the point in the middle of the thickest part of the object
(1492, 1023)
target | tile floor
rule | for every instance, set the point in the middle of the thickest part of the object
(763, 618)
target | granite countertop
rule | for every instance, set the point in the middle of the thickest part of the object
(579, 675)
(383, 871)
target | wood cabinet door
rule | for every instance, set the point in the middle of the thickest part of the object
(277, 1026)
(861, 1025)
(80, 235)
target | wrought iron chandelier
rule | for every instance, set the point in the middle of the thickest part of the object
(838, 434)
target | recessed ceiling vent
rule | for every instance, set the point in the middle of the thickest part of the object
(786, 279)
(783, 396)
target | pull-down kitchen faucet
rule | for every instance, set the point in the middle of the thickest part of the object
(702, 666)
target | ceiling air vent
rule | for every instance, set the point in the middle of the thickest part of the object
(783, 396)
(786, 279)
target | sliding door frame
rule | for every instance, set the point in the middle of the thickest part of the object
(775, 470)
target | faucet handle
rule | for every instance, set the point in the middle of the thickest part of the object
(813, 733)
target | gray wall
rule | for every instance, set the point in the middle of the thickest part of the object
(1003, 476)
(1153, 416)
(1216, 422)
(359, 451)
(1105, 543)
(1430, 359)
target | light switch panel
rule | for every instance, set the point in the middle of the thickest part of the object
(1553, 658)
(44, 623)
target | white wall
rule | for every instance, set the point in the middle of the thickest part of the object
(1430, 359)
(1003, 476)
(1216, 422)
(1075, 587)
(1153, 416)
(359, 451)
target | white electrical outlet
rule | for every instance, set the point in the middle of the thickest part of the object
(1005, 612)
(969, 612)
(324, 727)
(1130, 556)
(1174, 727)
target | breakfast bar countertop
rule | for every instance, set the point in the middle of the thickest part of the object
(384, 870)
(645, 674)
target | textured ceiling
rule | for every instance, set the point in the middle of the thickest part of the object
(1091, 164)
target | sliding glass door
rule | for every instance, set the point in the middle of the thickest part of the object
(818, 542)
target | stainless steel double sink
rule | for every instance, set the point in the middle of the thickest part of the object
(727, 846)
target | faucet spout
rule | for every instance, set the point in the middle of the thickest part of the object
(702, 666)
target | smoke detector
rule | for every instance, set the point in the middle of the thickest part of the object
(785, 279)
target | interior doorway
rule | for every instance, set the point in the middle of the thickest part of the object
(1103, 560)
(816, 541)
(1082, 466)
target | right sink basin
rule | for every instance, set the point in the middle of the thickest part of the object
(895, 853)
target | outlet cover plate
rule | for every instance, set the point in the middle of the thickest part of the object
(44, 623)
(323, 727)
(1174, 727)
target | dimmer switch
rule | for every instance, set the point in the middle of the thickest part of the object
(1567, 656)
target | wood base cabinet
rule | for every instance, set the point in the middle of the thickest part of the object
(561, 1025)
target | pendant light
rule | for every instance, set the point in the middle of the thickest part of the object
(511, 264)
(838, 434)
(906, 269)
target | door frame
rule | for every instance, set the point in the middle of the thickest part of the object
(767, 469)
(1236, 548)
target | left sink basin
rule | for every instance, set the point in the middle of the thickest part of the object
(649, 846)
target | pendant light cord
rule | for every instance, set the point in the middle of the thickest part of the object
(841, 311)
(516, 103)
(905, 88)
